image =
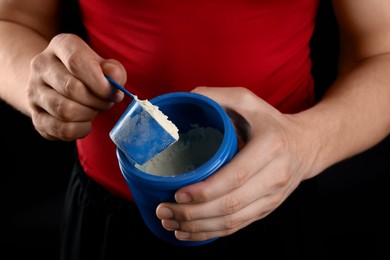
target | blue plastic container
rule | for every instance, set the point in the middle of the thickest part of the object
(184, 109)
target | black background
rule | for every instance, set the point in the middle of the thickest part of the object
(352, 202)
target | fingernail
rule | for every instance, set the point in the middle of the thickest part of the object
(183, 197)
(182, 235)
(118, 96)
(171, 225)
(165, 213)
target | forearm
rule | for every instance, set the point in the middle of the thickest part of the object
(353, 116)
(18, 45)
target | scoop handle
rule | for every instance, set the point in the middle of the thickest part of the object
(118, 86)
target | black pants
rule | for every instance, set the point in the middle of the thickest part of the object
(336, 215)
(97, 225)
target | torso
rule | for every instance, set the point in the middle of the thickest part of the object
(176, 45)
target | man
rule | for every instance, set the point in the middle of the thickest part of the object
(255, 57)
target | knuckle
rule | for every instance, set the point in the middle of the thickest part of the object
(71, 85)
(64, 131)
(231, 222)
(231, 205)
(65, 110)
(204, 195)
(36, 63)
(57, 39)
(189, 226)
(63, 39)
(244, 92)
(54, 129)
(282, 180)
(42, 124)
(30, 94)
(186, 215)
(278, 143)
(244, 95)
(75, 60)
(72, 54)
(240, 176)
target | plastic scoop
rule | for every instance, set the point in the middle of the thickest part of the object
(143, 131)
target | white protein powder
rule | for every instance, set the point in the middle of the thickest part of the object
(193, 149)
(160, 117)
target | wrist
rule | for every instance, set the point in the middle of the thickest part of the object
(317, 140)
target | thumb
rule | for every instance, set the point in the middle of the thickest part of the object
(115, 70)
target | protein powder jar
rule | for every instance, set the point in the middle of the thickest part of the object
(207, 141)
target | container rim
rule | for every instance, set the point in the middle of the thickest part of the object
(213, 163)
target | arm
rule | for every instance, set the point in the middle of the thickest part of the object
(352, 117)
(354, 114)
(26, 26)
(56, 79)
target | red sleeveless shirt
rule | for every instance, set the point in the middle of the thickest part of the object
(175, 45)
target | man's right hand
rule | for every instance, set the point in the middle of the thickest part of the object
(67, 88)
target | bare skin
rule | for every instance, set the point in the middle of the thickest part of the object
(278, 155)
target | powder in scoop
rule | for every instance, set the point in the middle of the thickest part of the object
(160, 117)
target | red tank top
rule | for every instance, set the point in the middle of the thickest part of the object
(177, 45)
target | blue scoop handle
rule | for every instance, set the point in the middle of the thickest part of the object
(118, 86)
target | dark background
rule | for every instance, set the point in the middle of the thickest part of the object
(352, 201)
(34, 175)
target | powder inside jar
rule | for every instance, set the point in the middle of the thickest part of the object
(193, 149)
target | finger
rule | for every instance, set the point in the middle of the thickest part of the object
(199, 229)
(54, 129)
(115, 70)
(240, 100)
(56, 117)
(231, 176)
(202, 229)
(51, 72)
(81, 61)
(74, 89)
(60, 106)
(253, 189)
